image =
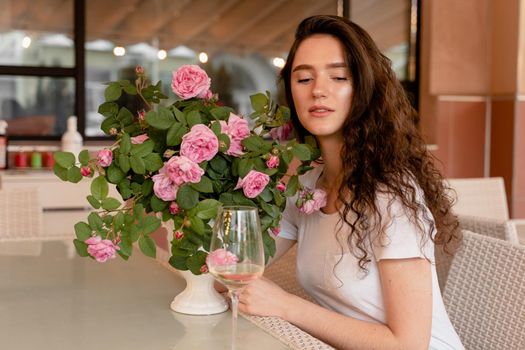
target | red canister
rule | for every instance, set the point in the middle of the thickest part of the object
(21, 159)
(47, 159)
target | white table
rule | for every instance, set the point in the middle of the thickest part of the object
(52, 299)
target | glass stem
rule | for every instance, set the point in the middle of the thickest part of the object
(234, 295)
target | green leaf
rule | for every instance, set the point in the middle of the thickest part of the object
(64, 159)
(175, 133)
(179, 116)
(245, 165)
(291, 187)
(150, 224)
(206, 209)
(123, 161)
(112, 92)
(178, 262)
(153, 162)
(95, 222)
(110, 203)
(216, 128)
(74, 175)
(161, 120)
(99, 188)
(219, 164)
(95, 203)
(82, 231)
(147, 246)
(130, 90)
(187, 197)
(137, 164)
(253, 143)
(204, 186)
(114, 174)
(143, 149)
(81, 248)
(301, 151)
(224, 142)
(197, 225)
(266, 195)
(83, 157)
(157, 204)
(126, 246)
(108, 109)
(221, 113)
(258, 101)
(109, 123)
(125, 144)
(147, 187)
(60, 172)
(196, 261)
(193, 118)
(124, 189)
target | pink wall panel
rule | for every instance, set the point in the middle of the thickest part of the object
(461, 137)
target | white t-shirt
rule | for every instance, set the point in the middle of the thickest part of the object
(330, 273)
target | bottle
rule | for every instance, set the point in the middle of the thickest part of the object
(72, 140)
(3, 144)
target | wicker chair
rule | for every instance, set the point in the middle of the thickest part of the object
(20, 214)
(484, 293)
(482, 197)
(500, 229)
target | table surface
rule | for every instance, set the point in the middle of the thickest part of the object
(52, 299)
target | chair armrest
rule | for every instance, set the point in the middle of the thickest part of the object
(520, 228)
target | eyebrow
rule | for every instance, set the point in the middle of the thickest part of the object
(310, 67)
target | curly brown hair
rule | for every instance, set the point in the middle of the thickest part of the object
(383, 150)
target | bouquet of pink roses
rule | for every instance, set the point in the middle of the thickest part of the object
(183, 162)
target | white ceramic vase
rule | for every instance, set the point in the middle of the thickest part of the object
(199, 297)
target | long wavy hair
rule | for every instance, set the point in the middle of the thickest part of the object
(383, 150)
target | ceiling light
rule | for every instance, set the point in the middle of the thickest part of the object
(26, 42)
(203, 57)
(162, 54)
(278, 62)
(119, 51)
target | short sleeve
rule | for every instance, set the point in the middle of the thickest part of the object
(289, 222)
(402, 238)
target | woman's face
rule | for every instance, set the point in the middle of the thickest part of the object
(321, 86)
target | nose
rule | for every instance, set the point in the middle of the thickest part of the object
(320, 88)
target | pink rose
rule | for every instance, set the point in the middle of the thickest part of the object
(281, 186)
(272, 162)
(141, 114)
(237, 130)
(137, 140)
(253, 183)
(85, 171)
(190, 81)
(208, 95)
(310, 200)
(105, 157)
(282, 133)
(163, 187)
(199, 144)
(174, 208)
(204, 268)
(101, 249)
(181, 169)
(221, 257)
(275, 230)
(178, 235)
(139, 70)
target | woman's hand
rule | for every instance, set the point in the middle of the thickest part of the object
(262, 297)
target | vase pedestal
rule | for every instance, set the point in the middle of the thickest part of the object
(199, 297)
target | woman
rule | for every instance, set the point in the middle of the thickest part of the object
(367, 257)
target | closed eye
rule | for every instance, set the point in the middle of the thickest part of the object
(302, 81)
(341, 78)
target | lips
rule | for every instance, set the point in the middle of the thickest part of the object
(320, 110)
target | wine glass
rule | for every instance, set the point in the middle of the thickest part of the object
(236, 252)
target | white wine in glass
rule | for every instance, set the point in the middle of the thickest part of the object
(236, 252)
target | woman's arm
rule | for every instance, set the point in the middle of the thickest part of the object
(407, 293)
